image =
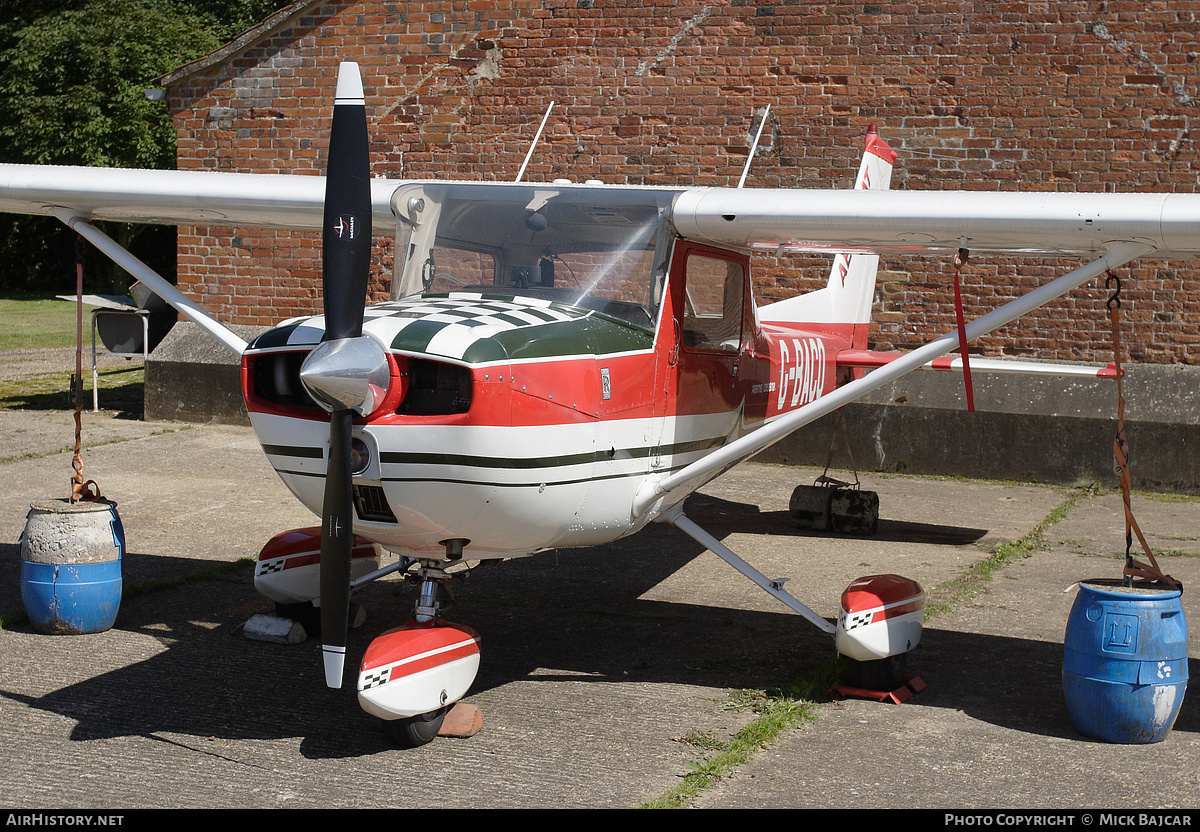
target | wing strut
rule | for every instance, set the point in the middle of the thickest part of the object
(697, 473)
(676, 516)
(151, 279)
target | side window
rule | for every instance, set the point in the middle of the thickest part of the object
(712, 314)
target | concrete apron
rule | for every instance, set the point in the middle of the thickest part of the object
(605, 670)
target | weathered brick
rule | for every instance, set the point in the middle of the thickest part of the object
(1014, 95)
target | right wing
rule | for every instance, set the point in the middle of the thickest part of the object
(177, 197)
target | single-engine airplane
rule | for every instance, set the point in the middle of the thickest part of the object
(562, 364)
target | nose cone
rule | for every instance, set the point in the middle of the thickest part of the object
(347, 374)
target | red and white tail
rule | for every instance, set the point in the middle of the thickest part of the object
(847, 297)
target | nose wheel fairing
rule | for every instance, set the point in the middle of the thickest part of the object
(418, 668)
(412, 677)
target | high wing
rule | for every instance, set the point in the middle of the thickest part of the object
(811, 220)
(172, 197)
(917, 222)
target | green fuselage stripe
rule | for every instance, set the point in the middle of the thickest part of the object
(529, 463)
(497, 463)
(294, 450)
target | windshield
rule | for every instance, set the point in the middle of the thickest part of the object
(593, 247)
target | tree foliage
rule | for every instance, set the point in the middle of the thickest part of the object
(73, 75)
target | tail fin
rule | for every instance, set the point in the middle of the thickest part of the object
(847, 297)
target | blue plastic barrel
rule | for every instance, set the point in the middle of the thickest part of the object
(1125, 664)
(71, 557)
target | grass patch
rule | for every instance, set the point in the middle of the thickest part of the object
(776, 712)
(39, 321)
(121, 390)
(1167, 497)
(949, 595)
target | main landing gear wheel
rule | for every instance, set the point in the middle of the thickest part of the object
(415, 731)
(877, 674)
(879, 623)
(305, 612)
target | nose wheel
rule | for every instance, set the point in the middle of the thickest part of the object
(415, 731)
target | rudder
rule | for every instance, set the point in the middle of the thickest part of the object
(850, 290)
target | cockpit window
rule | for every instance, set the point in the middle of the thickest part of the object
(597, 248)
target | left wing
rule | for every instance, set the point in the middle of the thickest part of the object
(176, 197)
(920, 222)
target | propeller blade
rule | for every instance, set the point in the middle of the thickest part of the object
(346, 258)
(337, 541)
(346, 240)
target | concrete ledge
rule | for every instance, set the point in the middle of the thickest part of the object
(190, 377)
(1038, 429)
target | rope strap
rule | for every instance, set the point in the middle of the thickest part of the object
(80, 490)
(1134, 569)
(825, 479)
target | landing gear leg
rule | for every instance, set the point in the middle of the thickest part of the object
(414, 675)
(433, 595)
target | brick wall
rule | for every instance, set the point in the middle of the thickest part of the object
(1065, 95)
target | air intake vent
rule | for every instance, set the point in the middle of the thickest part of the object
(371, 504)
(436, 389)
(276, 380)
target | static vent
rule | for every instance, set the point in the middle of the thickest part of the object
(276, 378)
(436, 389)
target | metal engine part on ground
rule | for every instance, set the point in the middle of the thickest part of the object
(289, 566)
(854, 512)
(71, 566)
(1125, 661)
(417, 668)
(842, 510)
(880, 616)
(129, 325)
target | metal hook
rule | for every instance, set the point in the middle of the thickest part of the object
(1115, 297)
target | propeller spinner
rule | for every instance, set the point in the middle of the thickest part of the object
(347, 373)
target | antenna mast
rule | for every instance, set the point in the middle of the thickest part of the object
(754, 147)
(537, 136)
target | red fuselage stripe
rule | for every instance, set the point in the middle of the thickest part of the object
(915, 605)
(434, 658)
